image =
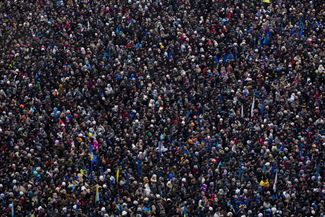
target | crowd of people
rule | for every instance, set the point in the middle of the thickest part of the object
(204, 108)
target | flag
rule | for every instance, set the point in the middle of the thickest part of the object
(91, 149)
(93, 157)
(146, 209)
(12, 210)
(263, 168)
(231, 206)
(274, 197)
(93, 160)
(217, 145)
(137, 45)
(266, 1)
(301, 27)
(106, 55)
(293, 29)
(219, 164)
(117, 30)
(275, 181)
(117, 174)
(282, 147)
(216, 60)
(97, 194)
(252, 107)
(184, 212)
(230, 57)
(170, 176)
(266, 38)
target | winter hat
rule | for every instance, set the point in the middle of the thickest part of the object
(153, 178)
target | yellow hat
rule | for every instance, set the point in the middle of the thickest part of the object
(161, 46)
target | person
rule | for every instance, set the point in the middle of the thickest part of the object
(162, 108)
